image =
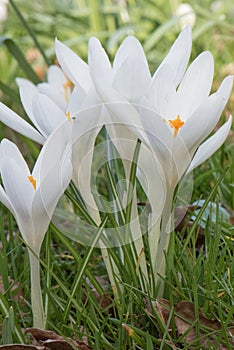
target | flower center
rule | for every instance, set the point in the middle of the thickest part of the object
(176, 124)
(33, 181)
(67, 87)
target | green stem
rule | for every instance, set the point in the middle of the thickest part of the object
(160, 263)
(111, 268)
(153, 240)
(36, 295)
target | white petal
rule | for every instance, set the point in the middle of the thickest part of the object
(196, 84)
(50, 190)
(179, 54)
(8, 150)
(210, 146)
(121, 110)
(5, 200)
(76, 101)
(55, 76)
(131, 71)
(58, 94)
(97, 57)
(204, 119)
(18, 188)
(15, 122)
(24, 222)
(73, 66)
(85, 130)
(55, 87)
(163, 96)
(82, 161)
(49, 115)
(58, 144)
(27, 91)
(157, 130)
(150, 173)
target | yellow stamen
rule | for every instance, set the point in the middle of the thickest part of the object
(33, 181)
(68, 115)
(176, 124)
(66, 86)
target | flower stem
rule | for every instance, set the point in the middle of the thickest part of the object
(166, 225)
(36, 295)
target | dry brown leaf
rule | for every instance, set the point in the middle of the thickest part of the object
(52, 341)
(104, 300)
(19, 347)
(184, 320)
(162, 306)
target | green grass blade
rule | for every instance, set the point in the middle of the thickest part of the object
(29, 30)
(18, 55)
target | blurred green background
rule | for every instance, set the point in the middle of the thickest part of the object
(155, 23)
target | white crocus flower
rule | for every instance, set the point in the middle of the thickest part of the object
(173, 118)
(32, 196)
(47, 106)
(173, 121)
(52, 95)
(180, 121)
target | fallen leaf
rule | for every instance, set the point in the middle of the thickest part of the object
(185, 319)
(19, 347)
(103, 300)
(52, 341)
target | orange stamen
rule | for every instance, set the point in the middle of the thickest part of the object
(68, 114)
(33, 181)
(176, 124)
(67, 85)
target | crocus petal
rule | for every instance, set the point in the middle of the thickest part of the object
(149, 173)
(73, 66)
(210, 146)
(206, 116)
(55, 76)
(5, 200)
(46, 197)
(76, 101)
(15, 122)
(86, 127)
(53, 150)
(179, 54)
(49, 115)
(163, 96)
(18, 188)
(98, 57)
(56, 86)
(131, 71)
(27, 91)
(124, 140)
(121, 110)
(196, 84)
(156, 129)
(57, 94)
(8, 150)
